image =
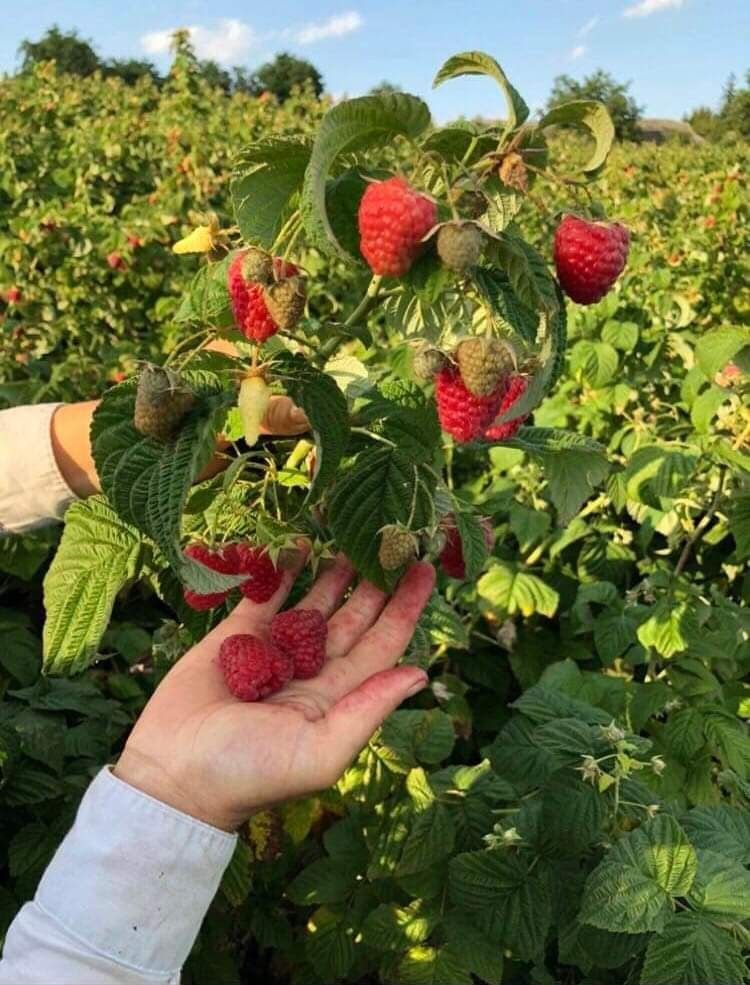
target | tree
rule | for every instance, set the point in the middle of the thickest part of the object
(384, 87)
(131, 69)
(735, 107)
(286, 71)
(215, 75)
(623, 108)
(72, 54)
(704, 121)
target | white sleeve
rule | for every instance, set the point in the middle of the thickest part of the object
(122, 901)
(33, 492)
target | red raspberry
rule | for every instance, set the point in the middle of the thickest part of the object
(514, 389)
(251, 314)
(13, 295)
(252, 668)
(115, 261)
(461, 413)
(265, 577)
(222, 560)
(452, 555)
(393, 219)
(589, 257)
(302, 634)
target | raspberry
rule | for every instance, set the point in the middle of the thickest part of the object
(461, 413)
(397, 547)
(161, 402)
(393, 220)
(484, 363)
(251, 314)
(589, 257)
(514, 389)
(265, 577)
(13, 295)
(285, 301)
(459, 245)
(222, 560)
(301, 634)
(252, 668)
(428, 362)
(452, 555)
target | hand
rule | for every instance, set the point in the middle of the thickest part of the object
(199, 749)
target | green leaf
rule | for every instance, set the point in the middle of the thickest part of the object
(722, 829)
(327, 880)
(631, 890)
(594, 117)
(478, 63)
(595, 362)
(325, 406)
(670, 628)
(705, 407)
(147, 481)
(23, 556)
(739, 524)
(683, 734)
(654, 472)
(268, 175)
(379, 487)
(494, 287)
(21, 652)
(237, 878)
(410, 738)
(430, 839)
(461, 142)
(424, 965)
(721, 886)
(526, 270)
(729, 741)
(98, 554)
(207, 301)
(473, 544)
(351, 126)
(572, 812)
(692, 951)
(30, 848)
(30, 786)
(719, 346)
(390, 927)
(517, 756)
(484, 957)
(329, 945)
(506, 589)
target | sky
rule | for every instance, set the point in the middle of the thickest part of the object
(678, 53)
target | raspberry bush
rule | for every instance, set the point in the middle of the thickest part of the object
(569, 801)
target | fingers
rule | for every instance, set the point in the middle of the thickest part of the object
(351, 722)
(283, 417)
(354, 618)
(383, 644)
(330, 587)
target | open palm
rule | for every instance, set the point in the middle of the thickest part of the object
(199, 749)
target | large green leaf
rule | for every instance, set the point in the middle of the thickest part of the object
(721, 829)
(390, 927)
(353, 125)
(207, 300)
(632, 889)
(719, 346)
(268, 174)
(596, 362)
(147, 481)
(98, 554)
(423, 965)
(594, 117)
(526, 270)
(507, 589)
(478, 63)
(721, 886)
(693, 951)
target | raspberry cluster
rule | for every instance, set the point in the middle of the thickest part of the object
(251, 312)
(263, 577)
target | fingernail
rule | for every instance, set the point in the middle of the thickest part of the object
(419, 685)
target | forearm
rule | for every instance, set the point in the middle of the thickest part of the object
(71, 444)
(124, 897)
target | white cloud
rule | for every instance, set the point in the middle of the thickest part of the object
(334, 27)
(644, 8)
(578, 52)
(228, 43)
(588, 27)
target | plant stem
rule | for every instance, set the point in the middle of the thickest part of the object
(368, 300)
(702, 526)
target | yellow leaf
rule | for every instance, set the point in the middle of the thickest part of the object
(201, 240)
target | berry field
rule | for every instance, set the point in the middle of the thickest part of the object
(488, 388)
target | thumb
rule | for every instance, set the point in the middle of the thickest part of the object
(352, 720)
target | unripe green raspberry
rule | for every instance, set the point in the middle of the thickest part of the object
(483, 362)
(459, 245)
(161, 402)
(397, 547)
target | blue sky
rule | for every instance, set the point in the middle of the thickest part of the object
(678, 53)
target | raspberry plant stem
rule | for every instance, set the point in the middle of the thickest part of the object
(328, 348)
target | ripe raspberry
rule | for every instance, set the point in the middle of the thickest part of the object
(459, 245)
(252, 668)
(251, 314)
(461, 413)
(222, 560)
(514, 389)
(161, 402)
(452, 555)
(13, 295)
(484, 363)
(285, 301)
(589, 257)
(264, 576)
(397, 547)
(428, 362)
(393, 219)
(301, 634)
(115, 261)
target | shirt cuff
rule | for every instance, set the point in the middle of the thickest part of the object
(134, 877)
(33, 491)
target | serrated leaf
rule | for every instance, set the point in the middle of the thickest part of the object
(594, 117)
(738, 509)
(719, 346)
(353, 125)
(526, 270)
(705, 407)
(572, 812)
(327, 880)
(721, 829)
(721, 886)
(237, 878)
(98, 554)
(654, 472)
(478, 63)
(390, 927)
(683, 734)
(692, 951)
(517, 756)
(631, 890)
(669, 628)
(461, 142)
(410, 738)
(507, 589)
(423, 965)
(207, 301)
(268, 174)
(329, 946)
(596, 362)
(473, 544)
(483, 956)
(430, 839)
(494, 287)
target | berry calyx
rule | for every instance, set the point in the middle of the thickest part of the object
(514, 389)
(252, 668)
(452, 556)
(461, 413)
(484, 363)
(398, 547)
(589, 257)
(161, 402)
(459, 245)
(301, 634)
(393, 220)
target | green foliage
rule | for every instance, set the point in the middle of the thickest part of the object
(603, 88)
(569, 801)
(285, 73)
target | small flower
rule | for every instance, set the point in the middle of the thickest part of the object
(589, 769)
(441, 692)
(652, 810)
(511, 836)
(658, 765)
(612, 733)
